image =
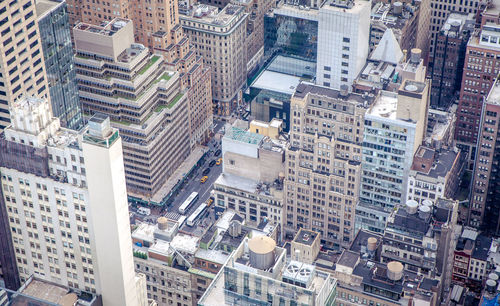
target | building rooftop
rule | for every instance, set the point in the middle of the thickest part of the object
(494, 94)
(44, 7)
(306, 88)
(385, 105)
(414, 224)
(388, 49)
(162, 248)
(441, 161)
(238, 134)
(386, 14)
(208, 14)
(361, 240)
(457, 23)
(185, 243)
(305, 236)
(216, 256)
(278, 82)
(107, 29)
(348, 259)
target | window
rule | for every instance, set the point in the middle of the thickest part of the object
(346, 40)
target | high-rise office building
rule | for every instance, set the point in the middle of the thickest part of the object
(219, 38)
(333, 36)
(22, 69)
(394, 128)
(156, 26)
(324, 162)
(449, 58)
(123, 80)
(54, 183)
(439, 12)
(481, 68)
(55, 34)
(343, 32)
(485, 188)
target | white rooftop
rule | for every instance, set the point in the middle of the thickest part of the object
(185, 243)
(161, 247)
(388, 49)
(276, 81)
(237, 182)
(494, 95)
(385, 105)
(144, 232)
(212, 255)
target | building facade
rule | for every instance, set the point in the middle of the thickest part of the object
(483, 211)
(394, 127)
(448, 58)
(481, 67)
(121, 79)
(434, 174)
(55, 34)
(57, 232)
(323, 162)
(22, 67)
(219, 38)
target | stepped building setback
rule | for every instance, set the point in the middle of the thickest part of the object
(122, 79)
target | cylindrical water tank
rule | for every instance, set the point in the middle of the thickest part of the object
(394, 270)
(411, 206)
(398, 8)
(416, 54)
(491, 286)
(493, 276)
(423, 211)
(262, 250)
(427, 202)
(372, 244)
(162, 223)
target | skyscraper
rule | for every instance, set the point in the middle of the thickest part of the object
(66, 204)
(481, 68)
(394, 128)
(122, 79)
(55, 34)
(484, 205)
(22, 69)
(324, 162)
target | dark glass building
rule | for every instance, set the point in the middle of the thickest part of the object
(295, 39)
(55, 35)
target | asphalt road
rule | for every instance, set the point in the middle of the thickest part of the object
(194, 184)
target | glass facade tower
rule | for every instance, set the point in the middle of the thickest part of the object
(58, 54)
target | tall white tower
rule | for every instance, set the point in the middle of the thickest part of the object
(343, 41)
(108, 212)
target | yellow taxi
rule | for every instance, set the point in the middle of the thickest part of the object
(204, 179)
(209, 202)
(219, 162)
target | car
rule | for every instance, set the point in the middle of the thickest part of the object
(219, 161)
(218, 152)
(212, 163)
(210, 201)
(206, 171)
(204, 179)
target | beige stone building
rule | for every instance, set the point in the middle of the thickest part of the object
(156, 26)
(252, 179)
(323, 163)
(123, 80)
(219, 38)
(22, 68)
(305, 246)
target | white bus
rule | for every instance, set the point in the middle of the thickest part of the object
(197, 213)
(189, 201)
(181, 221)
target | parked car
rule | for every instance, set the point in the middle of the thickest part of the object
(212, 163)
(206, 171)
(218, 152)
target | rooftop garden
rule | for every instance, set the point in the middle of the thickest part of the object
(151, 61)
(176, 99)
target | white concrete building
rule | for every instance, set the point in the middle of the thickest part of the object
(343, 41)
(394, 128)
(65, 198)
